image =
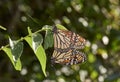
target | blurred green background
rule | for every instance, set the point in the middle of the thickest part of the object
(98, 21)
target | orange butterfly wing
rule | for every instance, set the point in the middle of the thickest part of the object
(66, 44)
(68, 58)
(65, 39)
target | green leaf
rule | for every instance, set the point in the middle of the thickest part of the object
(16, 49)
(39, 52)
(36, 41)
(41, 55)
(28, 39)
(48, 41)
(16, 65)
(60, 27)
(2, 27)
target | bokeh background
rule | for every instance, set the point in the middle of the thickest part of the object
(98, 21)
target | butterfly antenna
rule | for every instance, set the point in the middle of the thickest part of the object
(54, 29)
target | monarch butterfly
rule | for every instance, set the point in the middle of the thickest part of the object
(66, 45)
(67, 39)
(70, 57)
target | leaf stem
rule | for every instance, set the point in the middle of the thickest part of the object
(22, 38)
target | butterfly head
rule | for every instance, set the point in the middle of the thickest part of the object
(54, 30)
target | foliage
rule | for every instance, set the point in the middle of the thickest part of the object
(96, 20)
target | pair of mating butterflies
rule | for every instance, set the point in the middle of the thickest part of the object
(66, 45)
